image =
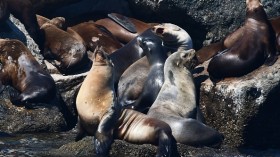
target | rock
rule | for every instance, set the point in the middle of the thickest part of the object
(245, 109)
(44, 118)
(206, 21)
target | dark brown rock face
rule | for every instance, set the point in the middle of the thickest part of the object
(206, 21)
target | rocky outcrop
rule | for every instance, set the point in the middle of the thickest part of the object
(59, 115)
(206, 21)
(245, 109)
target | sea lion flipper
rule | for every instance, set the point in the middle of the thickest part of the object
(15, 98)
(165, 144)
(1, 87)
(104, 135)
(102, 143)
(81, 131)
(123, 21)
(270, 60)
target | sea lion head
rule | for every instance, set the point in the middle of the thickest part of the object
(173, 35)
(184, 58)
(100, 57)
(254, 10)
(149, 44)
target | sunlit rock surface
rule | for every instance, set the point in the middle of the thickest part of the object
(246, 109)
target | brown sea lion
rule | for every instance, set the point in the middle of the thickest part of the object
(121, 33)
(101, 116)
(207, 52)
(136, 87)
(96, 35)
(176, 103)
(65, 49)
(250, 46)
(19, 69)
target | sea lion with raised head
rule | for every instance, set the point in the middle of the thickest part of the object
(156, 56)
(19, 69)
(176, 103)
(251, 46)
(101, 116)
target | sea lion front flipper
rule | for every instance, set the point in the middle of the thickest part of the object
(103, 137)
(1, 87)
(16, 98)
(123, 21)
(81, 131)
(270, 60)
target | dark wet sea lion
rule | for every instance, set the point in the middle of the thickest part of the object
(66, 49)
(250, 47)
(156, 56)
(176, 103)
(19, 69)
(96, 35)
(127, 55)
(135, 78)
(101, 116)
(122, 34)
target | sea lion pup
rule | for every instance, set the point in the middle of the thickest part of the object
(101, 116)
(254, 46)
(96, 35)
(19, 69)
(135, 78)
(176, 103)
(65, 49)
(117, 24)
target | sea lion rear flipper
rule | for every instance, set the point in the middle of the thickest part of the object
(123, 21)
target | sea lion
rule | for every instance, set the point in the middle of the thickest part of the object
(127, 55)
(253, 44)
(207, 52)
(156, 56)
(176, 103)
(19, 69)
(65, 49)
(135, 78)
(121, 33)
(96, 35)
(101, 116)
